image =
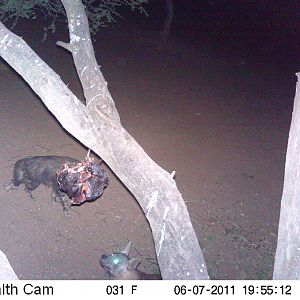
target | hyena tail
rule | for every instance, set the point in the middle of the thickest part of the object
(18, 173)
(17, 178)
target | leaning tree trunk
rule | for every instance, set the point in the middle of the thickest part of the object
(287, 258)
(97, 125)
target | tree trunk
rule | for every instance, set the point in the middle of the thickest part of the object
(6, 270)
(287, 258)
(165, 32)
(97, 125)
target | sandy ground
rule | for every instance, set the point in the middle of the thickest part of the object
(221, 121)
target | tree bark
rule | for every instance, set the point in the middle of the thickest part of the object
(287, 258)
(97, 125)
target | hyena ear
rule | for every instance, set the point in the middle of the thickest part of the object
(126, 249)
(133, 263)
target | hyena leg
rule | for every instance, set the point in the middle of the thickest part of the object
(58, 195)
(55, 195)
(65, 201)
(30, 186)
(9, 187)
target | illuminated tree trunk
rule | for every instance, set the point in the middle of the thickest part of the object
(97, 125)
(287, 258)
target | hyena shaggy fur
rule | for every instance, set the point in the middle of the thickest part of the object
(35, 170)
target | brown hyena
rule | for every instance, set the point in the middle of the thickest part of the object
(120, 266)
(35, 170)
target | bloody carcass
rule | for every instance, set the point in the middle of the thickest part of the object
(82, 181)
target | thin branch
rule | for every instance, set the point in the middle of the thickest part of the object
(64, 45)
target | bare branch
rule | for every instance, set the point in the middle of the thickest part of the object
(90, 76)
(64, 45)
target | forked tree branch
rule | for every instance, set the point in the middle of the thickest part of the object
(98, 126)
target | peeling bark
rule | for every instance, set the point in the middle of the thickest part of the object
(97, 125)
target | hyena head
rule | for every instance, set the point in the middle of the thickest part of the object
(121, 267)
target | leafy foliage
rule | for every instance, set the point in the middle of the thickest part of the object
(99, 12)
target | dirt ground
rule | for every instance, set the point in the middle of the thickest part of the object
(219, 119)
